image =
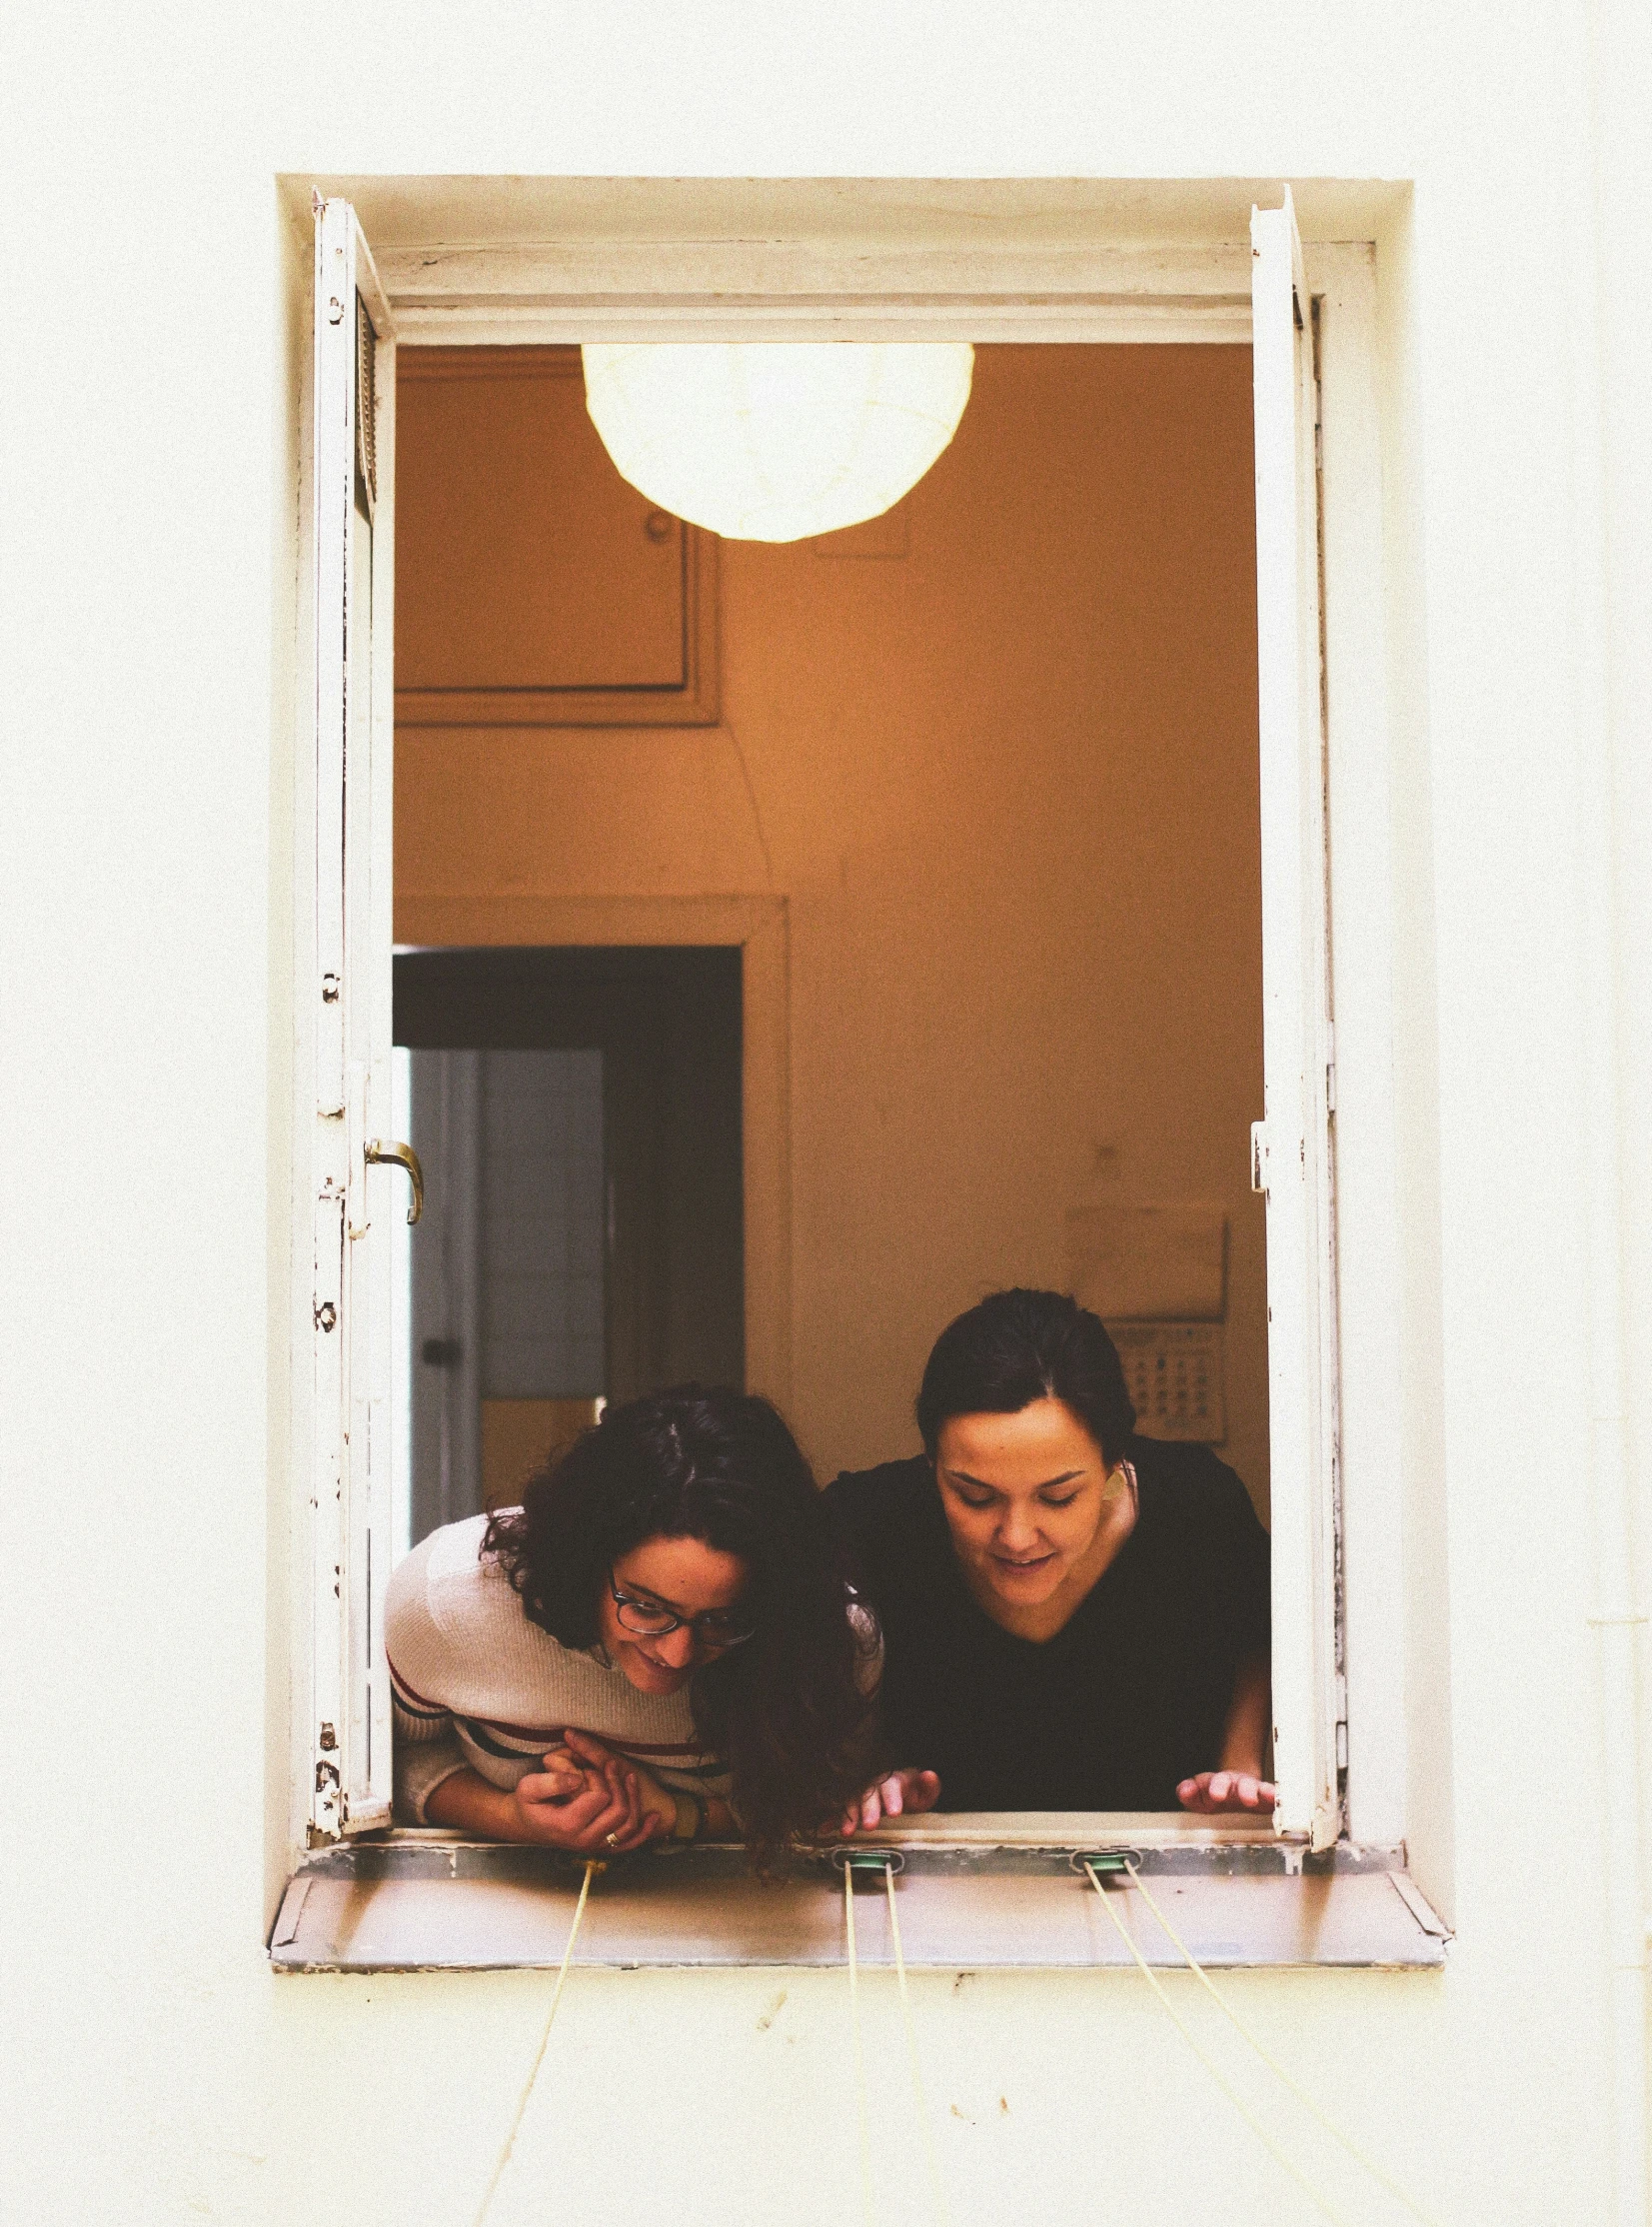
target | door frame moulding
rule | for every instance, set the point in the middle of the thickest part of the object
(757, 926)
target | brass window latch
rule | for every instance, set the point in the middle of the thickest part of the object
(381, 1152)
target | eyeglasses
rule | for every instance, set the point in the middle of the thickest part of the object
(715, 1629)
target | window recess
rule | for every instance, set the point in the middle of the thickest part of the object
(343, 1205)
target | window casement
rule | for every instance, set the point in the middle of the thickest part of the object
(345, 1198)
(1292, 1145)
(342, 1399)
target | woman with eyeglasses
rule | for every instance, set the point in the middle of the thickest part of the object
(657, 1643)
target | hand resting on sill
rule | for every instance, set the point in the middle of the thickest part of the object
(1236, 1786)
(897, 1793)
(1218, 1793)
(1229, 1792)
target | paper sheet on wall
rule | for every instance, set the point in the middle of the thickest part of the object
(1165, 1263)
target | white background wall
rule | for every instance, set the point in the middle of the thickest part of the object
(159, 2073)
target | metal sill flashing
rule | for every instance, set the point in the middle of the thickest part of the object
(976, 1894)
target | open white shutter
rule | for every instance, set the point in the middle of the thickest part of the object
(349, 1027)
(1291, 1149)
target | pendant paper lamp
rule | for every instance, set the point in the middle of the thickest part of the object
(768, 441)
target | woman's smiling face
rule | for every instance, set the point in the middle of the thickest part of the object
(681, 1578)
(1024, 1496)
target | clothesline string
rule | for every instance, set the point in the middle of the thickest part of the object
(920, 2102)
(863, 2118)
(1280, 2156)
(504, 2158)
(937, 2189)
(1359, 2156)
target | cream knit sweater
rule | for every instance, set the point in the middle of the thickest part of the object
(476, 1685)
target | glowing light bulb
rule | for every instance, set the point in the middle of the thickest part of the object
(774, 440)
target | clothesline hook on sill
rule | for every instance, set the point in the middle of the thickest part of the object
(1107, 1863)
(869, 1866)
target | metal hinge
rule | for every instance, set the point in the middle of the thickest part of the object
(1330, 1066)
(1341, 1720)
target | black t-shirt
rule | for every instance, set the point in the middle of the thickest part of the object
(1131, 1694)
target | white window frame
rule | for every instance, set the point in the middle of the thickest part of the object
(341, 1265)
(1338, 1636)
(1291, 1147)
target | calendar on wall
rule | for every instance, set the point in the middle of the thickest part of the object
(1173, 1372)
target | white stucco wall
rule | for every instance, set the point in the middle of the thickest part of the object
(158, 2072)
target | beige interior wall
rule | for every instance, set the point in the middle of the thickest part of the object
(1006, 783)
(520, 1435)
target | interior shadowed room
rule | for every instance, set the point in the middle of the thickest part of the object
(985, 769)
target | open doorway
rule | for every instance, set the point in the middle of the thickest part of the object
(578, 1117)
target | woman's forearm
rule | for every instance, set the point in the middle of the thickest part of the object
(468, 1804)
(1249, 1718)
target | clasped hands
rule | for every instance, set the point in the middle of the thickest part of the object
(590, 1800)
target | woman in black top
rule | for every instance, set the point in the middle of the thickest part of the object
(1073, 1617)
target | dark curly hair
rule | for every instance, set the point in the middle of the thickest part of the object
(786, 1709)
(1019, 1346)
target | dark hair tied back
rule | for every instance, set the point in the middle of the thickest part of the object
(1019, 1346)
(787, 1709)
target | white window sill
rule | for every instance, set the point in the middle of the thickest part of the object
(976, 1894)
